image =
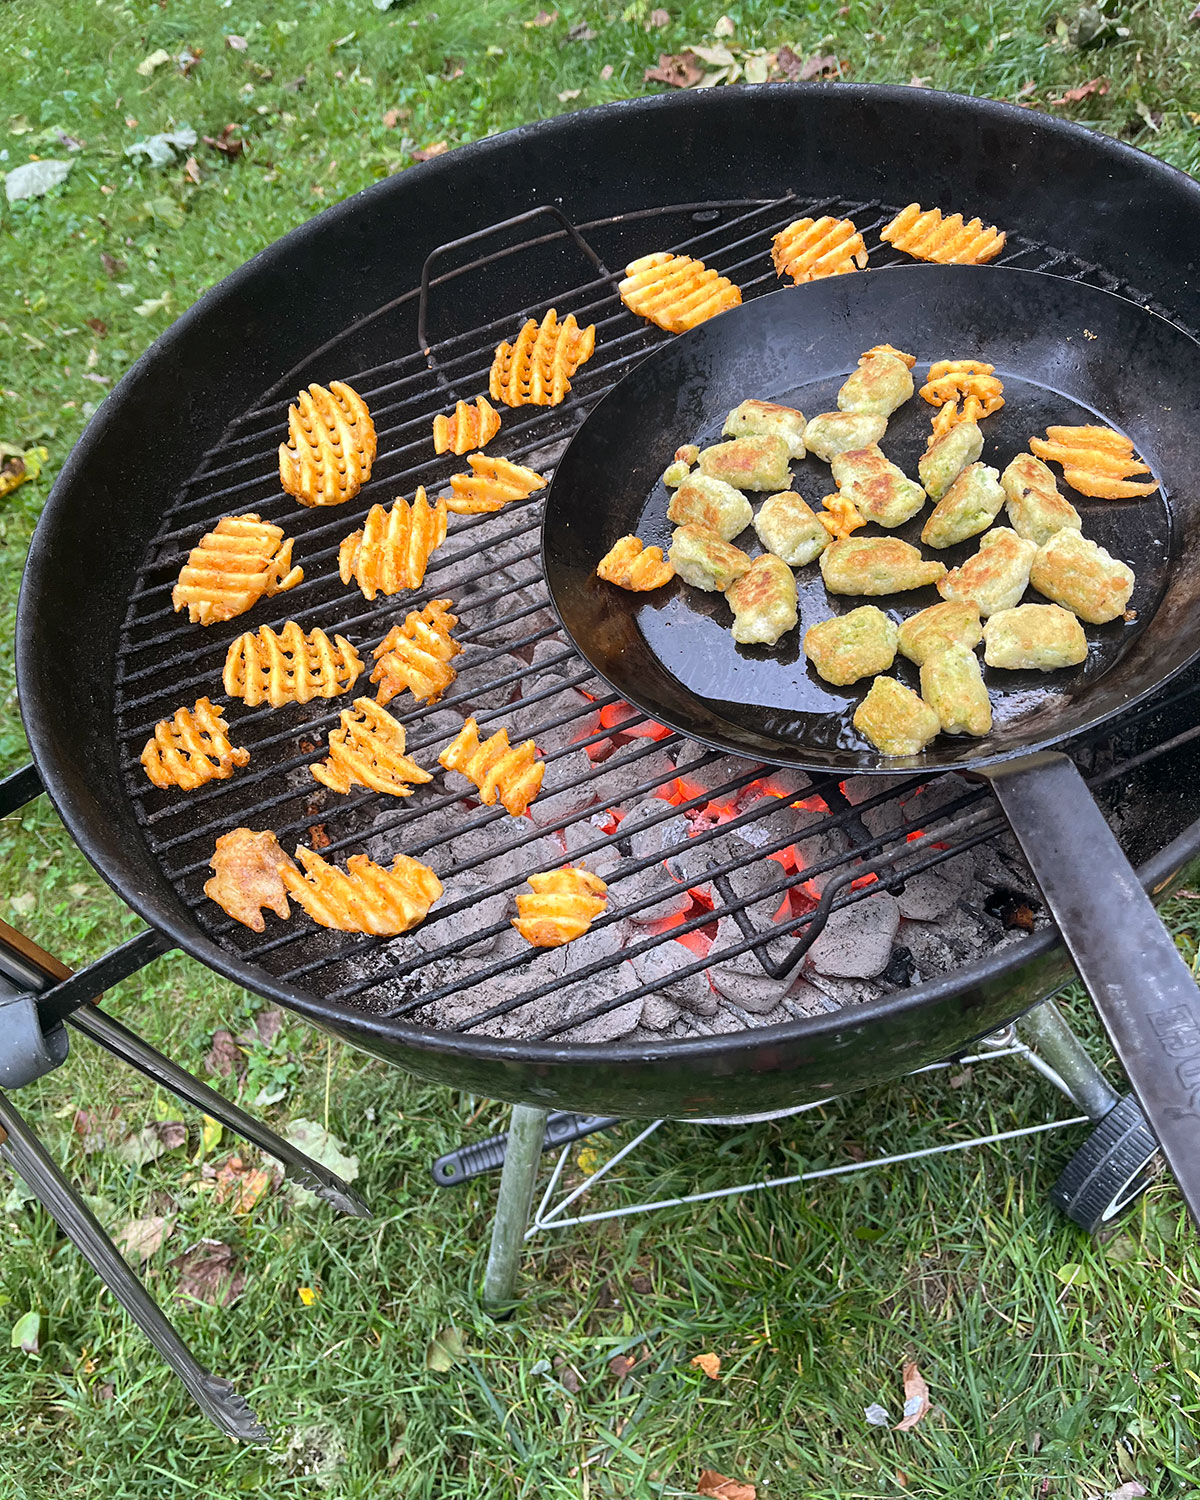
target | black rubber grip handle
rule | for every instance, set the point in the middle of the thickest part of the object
(1144, 992)
(488, 1156)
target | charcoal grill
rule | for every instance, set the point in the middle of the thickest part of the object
(399, 301)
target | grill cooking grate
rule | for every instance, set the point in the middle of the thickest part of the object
(489, 567)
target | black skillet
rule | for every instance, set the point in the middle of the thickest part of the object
(1067, 353)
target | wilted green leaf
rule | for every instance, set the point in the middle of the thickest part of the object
(444, 1351)
(25, 1332)
(1073, 1274)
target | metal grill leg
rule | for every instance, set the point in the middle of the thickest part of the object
(526, 1132)
(1046, 1030)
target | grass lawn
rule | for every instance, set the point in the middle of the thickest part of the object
(1058, 1366)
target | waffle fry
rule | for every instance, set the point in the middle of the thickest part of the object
(536, 370)
(416, 655)
(491, 485)
(234, 566)
(391, 550)
(562, 907)
(964, 390)
(331, 445)
(927, 234)
(290, 667)
(365, 897)
(246, 877)
(511, 773)
(811, 248)
(676, 292)
(630, 565)
(191, 749)
(842, 516)
(469, 427)
(1095, 461)
(909, 359)
(368, 750)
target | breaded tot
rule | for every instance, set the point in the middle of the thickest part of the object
(896, 720)
(882, 382)
(943, 461)
(750, 463)
(968, 507)
(1036, 509)
(1095, 461)
(952, 623)
(996, 576)
(1034, 637)
(1078, 573)
(876, 565)
(763, 601)
(857, 644)
(631, 565)
(952, 685)
(701, 558)
(836, 432)
(765, 419)
(789, 527)
(711, 503)
(677, 471)
(879, 490)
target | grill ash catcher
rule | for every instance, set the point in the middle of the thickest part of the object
(773, 938)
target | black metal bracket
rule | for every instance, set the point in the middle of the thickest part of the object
(465, 1162)
(19, 788)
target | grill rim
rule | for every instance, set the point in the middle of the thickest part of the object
(70, 793)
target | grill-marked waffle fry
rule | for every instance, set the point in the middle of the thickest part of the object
(811, 248)
(416, 655)
(191, 749)
(330, 448)
(246, 877)
(511, 773)
(927, 234)
(631, 565)
(391, 549)
(562, 907)
(468, 427)
(536, 369)
(1095, 461)
(239, 562)
(365, 897)
(841, 516)
(291, 667)
(491, 485)
(676, 292)
(368, 750)
(964, 390)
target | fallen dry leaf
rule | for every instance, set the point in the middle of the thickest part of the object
(224, 1058)
(1195, 15)
(788, 62)
(392, 117)
(1132, 1489)
(426, 153)
(225, 144)
(209, 1273)
(267, 1023)
(621, 1364)
(1073, 96)
(657, 19)
(543, 18)
(189, 59)
(238, 43)
(568, 94)
(567, 1375)
(726, 26)
(709, 1363)
(241, 1184)
(112, 266)
(142, 1237)
(818, 67)
(678, 70)
(916, 1397)
(606, 72)
(581, 32)
(309, 1295)
(191, 170)
(721, 1488)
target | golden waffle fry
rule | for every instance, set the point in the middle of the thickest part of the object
(469, 427)
(365, 897)
(512, 773)
(368, 750)
(1095, 461)
(630, 565)
(290, 667)
(842, 517)
(812, 248)
(246, 877)
(242, 561)
(491, 485)
(536, 370)
(391, 550)
(563, 906)
(192, 748)
(675, 291)
(927, 234)
(909, 359)
(965, 390)
(331, 445)
(416, 655)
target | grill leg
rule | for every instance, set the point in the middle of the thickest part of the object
(1055, 1043)
(526, 1132)
(24, 1153)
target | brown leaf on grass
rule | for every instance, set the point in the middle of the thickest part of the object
(678, 70)
(721, 1488)
(113, 267)
(225, 144)
(238, 43)
(240, 1184)
(566, 1375)
(151, 1142)
(543, 18)
(224, 1058)
(657, 19)
(142, 1237)
(621, 1364)
(267, 1023)
(391, 119)
(427, 153)
(96, 1133)
(189, 59)
(916, 1397)
(818, 67)
(452, 68)
(191, 170)
(209, 1272)
(788, 62)
(581, 32)
(1073, 96)
(709, 1363)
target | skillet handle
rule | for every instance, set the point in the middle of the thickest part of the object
(1145, 993)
